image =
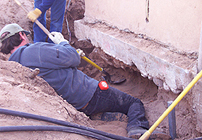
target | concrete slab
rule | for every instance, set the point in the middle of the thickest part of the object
(165, 67)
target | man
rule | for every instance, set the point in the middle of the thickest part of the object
(57, 64)
(57, 17)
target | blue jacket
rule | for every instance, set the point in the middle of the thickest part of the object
(57, 64)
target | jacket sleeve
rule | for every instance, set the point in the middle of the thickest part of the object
(45, 5)
(57, 56)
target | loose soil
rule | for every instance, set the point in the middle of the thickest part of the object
(20, 92)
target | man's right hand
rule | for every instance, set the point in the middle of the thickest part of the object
(57, 37)
(80, 52)
(33, 15)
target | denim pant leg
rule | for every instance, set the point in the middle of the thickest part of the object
(57, 16)
(114, 100)
(39, 35)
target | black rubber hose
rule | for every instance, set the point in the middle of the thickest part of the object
(52, 128)
(60, 122)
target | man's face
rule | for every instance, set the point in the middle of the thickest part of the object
(25, 40)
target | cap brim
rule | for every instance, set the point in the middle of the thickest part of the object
(26, 32)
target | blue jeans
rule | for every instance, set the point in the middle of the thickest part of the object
(57, 17)
(114, 100)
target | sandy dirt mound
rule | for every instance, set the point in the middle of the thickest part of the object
(20, 92)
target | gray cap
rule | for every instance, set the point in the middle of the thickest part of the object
(10, 30)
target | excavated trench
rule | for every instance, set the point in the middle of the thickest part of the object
(154, 98)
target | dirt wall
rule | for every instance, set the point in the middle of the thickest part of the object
(21, 93)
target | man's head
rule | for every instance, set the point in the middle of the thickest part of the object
(11, 36)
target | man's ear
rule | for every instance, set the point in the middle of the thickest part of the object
(21, 35)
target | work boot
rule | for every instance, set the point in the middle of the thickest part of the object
(137, 132)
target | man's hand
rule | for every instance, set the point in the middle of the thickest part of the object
(57, 37)
(33, 15)
(80, 52)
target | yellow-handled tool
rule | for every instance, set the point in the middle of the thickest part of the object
(107, 76)
(147, 134)
(92, 63)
